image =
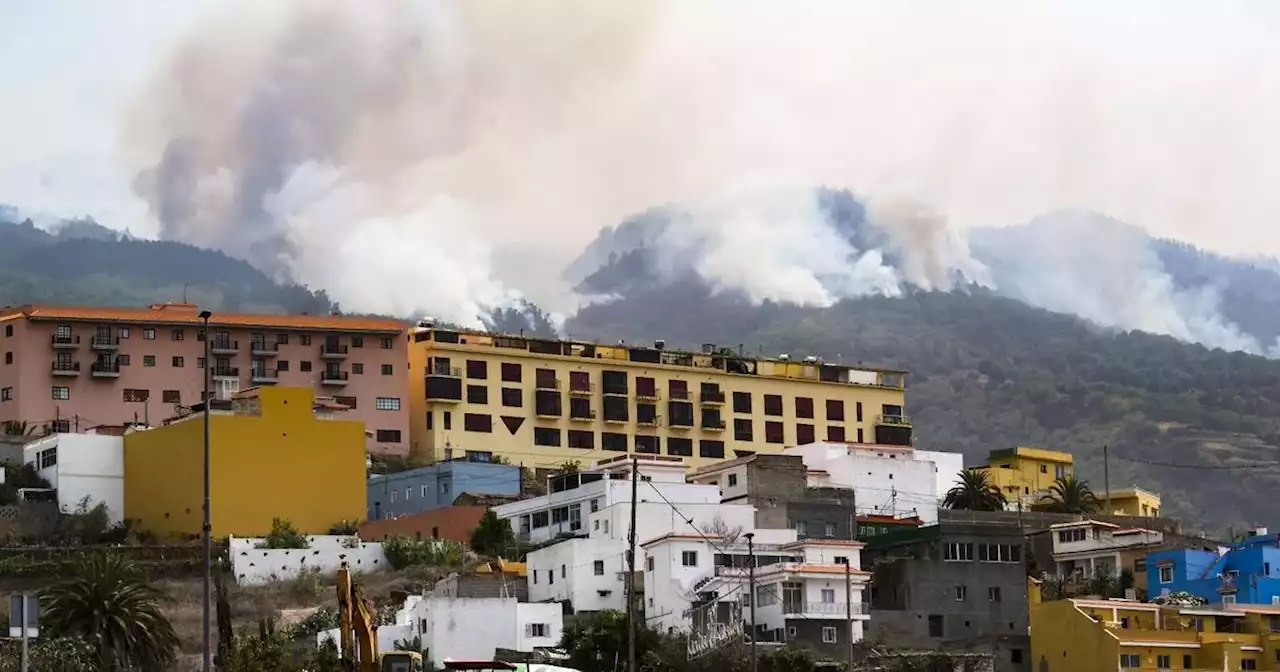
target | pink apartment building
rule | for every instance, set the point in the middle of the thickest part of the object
(76, 368)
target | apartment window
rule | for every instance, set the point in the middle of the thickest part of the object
(393, 496)
(178, 334)
(49, 457)
(122, 332)
(773, 432)
(773, 404)
(597, 567)
(6, 393)
(512, 397)
(733, 480)
(677, 445)
(177, 362)
(304, 339)
(304, 366)
(648, 564)
(835, 433)
(388, 343)
(804, 407)
(546, 436)
(1164, 662)
(282, 339)
(563, 570)
(477, 422)
(387, 436)
(957, 552)
(448, 420)
(858, 412)
(1166, 574)
(689, 558)
(828, 635)
(8, 330)
(742, 429)
(536, 630)
(357, 341)
(477, 368)
(1131, 660)
(387, 403)
(1044, 468)
(962, 593)
(148, 334)
(804, 434)
(282, 365)
(122, 360)
(711, 448)
(61, 393)
(136, 396)
(678, 390)
(830, 530)
(835, 410)
(582, 439)
(510, 373)
(648, 444)
(477, 394)
(199, 362)
(1186, 661)
(741, 402)
(8, 358)
(860, 435)
(357, 369)
(388, 369)
(148, 360)
(171, 396)
(993, 594)
(828, 596)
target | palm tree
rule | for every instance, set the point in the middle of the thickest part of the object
(110, 604)
(18, 428)
(1069, 494)
(974, 491)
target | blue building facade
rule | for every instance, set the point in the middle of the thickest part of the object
(438, 484)
(1247, 572)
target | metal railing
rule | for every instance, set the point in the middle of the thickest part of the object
(333, 375)
(224, 344)
(327, 349)
(225, 372)
(66, 367)
(454, 372)
(832, 608)
(105, 367)
(104, 342)
(899, 420)
(65, 340)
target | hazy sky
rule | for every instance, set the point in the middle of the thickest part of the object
(1159, 112)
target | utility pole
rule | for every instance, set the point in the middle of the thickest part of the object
(207, 527)
(848, 589)
(631, 570)
(1106, 477)
(22, 620)
(751, 590)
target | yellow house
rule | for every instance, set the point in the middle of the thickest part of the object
(1131, 502)
(275, 452)
(542, 402)
(1109, 635)
(1025, 474)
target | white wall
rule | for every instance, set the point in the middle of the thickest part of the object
(88, 465)
(654, 519)
(474, 628)
(949, 466)
(885, 480)
(732, 481)
(566, 571)
(254, 566)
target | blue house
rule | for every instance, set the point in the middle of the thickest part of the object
(1247, 572)
(438, 484)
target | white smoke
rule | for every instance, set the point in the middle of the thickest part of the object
(431, 157)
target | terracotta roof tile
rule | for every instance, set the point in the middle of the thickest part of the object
(180, 313)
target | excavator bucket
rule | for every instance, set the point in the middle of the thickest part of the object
(401, 661)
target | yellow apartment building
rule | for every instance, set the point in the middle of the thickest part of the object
(1132, 501)
(1025, 474)
(1108, 635)
(541, 402)
(274, 452)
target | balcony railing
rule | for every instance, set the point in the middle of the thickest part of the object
(713, 398)
(221, 346)
(65, 341)
(334, 378)
(66, 368)
(825, 608)
(582, 416)
(444, 371)
(649, 422)
(717, 426)
(263, 348)
(105, 369)
(683, 423)
(648, 395)
(549, 384)
(616, 390)
(679, 395)
(581, 389)
(333, 351)
(264, 375)
(226, 372)
(104, 343)
(896, 420)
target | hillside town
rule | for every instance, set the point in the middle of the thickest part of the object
(733, 503)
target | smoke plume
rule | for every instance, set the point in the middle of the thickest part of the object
(442, 157)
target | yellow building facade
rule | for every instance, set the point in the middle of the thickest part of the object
(1109, 635)
(1131, 502)
(542, 402)
(1024, 473)
(275, 452)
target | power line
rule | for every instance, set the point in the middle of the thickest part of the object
(1209, 467)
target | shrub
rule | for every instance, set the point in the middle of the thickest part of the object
(344, 528)
(405, 552)
(284, 535)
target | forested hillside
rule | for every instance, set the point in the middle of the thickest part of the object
(990, 372)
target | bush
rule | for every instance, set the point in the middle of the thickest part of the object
(405, 552)
(284, 535)
(345, 528)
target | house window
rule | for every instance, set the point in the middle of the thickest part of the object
(536, 630)
(842, 559)
(387, 436)
(1166, 574)
(477, 422)
(510, 373)
(1164, 662)
(1248, 664)
(123, 332)
(512, 397)
(304, 366)
(136, 396)
(1130, 660)
(304, 339)
(426, 492)
(962, 593)
(597, 567)
(393, 496)
(993, 594)
(689, 558)
(828, 596)
(387, 403)
(828, 635)
(648, 564)
(733, 480)
(177, 362)
(148, 334)
(61, 393)
(830, 530)
(546, 436)
(6, 393)
(48, 458)
(957, 552)
(477, 394)
(387, 369)
(741, 402)
(178, 334)
(148, 360)
(357, 369)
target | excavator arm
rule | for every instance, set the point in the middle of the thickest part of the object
(358, 633)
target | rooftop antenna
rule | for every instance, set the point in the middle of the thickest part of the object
(184, 292)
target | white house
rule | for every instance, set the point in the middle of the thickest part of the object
(80, 466)
(886, 480)
(253, 566)
(572, 499)
(1087, 548)
(470, 628)
(589, 573)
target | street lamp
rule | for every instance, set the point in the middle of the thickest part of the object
(207, 528)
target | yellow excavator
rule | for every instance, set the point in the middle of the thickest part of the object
(358, 633)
